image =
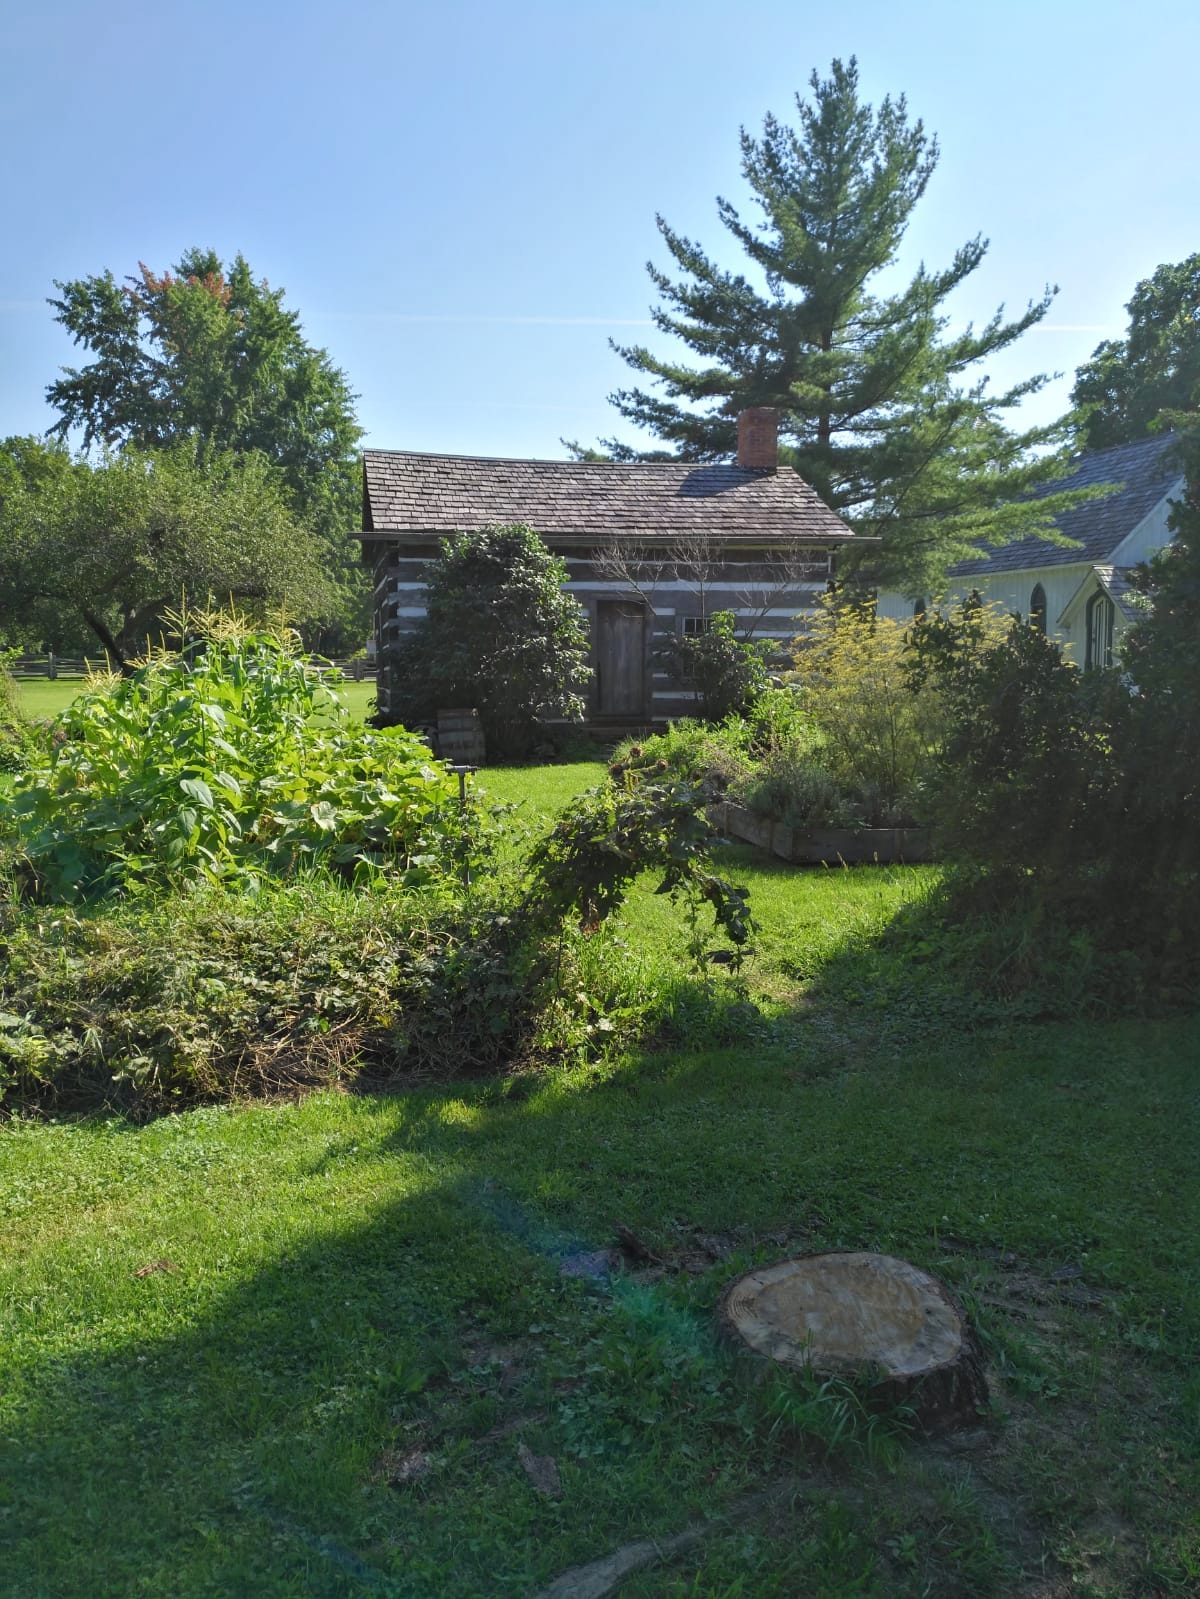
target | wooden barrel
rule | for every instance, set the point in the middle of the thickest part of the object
(460, 737)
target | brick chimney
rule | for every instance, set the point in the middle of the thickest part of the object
(758, 439)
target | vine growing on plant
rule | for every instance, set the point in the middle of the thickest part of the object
(609, 835)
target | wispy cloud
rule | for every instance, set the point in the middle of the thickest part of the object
(497, 321)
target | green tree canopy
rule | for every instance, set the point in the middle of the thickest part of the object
(1127, 385)
(1160, 740)
(107, 547)
(499, 634)
(210, 353)
(881, 409)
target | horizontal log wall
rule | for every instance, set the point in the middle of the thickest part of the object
(751, 588)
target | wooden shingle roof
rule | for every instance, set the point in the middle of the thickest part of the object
(407, 493)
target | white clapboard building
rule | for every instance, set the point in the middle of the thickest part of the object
(1078, 592)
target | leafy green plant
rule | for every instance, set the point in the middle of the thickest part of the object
(230, 760)
(710, 758)
(611, 835)
(500, 634)
(777, 720)
(727, 673)
(16, 737)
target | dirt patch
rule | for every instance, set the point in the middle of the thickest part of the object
(401, 1468)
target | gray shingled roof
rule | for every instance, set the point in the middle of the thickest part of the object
(1142, 472)
(1114, 580)
(409, 493)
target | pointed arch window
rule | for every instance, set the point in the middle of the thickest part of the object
(1101, 617)
(1037, 608)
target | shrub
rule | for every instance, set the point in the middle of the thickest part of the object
(610, 835)
(214, 994)
(1156, 731)
(725, 672)
(209, 992)
(790, 786)
(231, 761)
(16, 737)
(499, 634)
(708, 758)
(880, 725)
(1022, 774)
(1057, 798)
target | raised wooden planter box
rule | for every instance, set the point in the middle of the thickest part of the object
(829, 846)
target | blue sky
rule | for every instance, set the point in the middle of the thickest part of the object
(460, 198)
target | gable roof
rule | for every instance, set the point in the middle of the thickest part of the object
(1115, 581)
(407, 493)
(1143, 472)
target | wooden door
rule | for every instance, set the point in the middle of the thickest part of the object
(620, 658)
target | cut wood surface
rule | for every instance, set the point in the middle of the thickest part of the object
(865, 1315)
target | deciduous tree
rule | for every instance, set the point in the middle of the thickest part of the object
(210, 353)
(1129, 383)
(110, 545)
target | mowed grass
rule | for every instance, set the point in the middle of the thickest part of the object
(38, 697)
(296, 1349)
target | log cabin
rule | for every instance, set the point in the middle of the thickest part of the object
(652, 548)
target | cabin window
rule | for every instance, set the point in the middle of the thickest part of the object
(1100, 619)
(1037, 608)
(694, 626)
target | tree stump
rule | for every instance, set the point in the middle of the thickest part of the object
(864, 1315)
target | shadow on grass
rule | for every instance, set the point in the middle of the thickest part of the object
(344, 1418)
(958, 957)
(323, 1389)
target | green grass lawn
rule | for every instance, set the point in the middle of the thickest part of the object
(295, 1349)
(39, 697)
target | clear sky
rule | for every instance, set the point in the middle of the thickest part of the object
(459, 198)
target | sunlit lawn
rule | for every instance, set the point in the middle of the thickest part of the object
(294, 1349)
(39, 697)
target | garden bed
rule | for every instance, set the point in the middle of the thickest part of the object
(829, 846)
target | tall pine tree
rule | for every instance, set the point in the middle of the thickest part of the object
(880, 409)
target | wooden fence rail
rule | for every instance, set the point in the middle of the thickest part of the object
(55, 666)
